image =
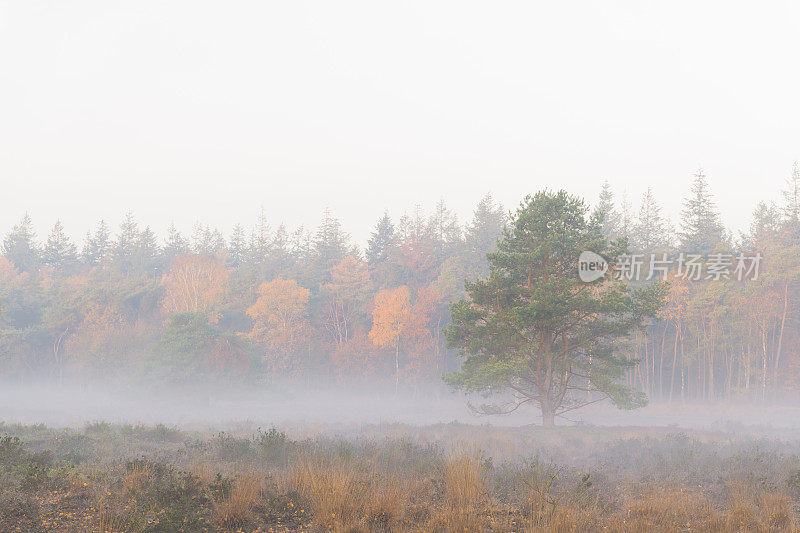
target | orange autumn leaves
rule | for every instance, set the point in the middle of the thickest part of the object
(391, 316)
(359, 330)
(395, 320)
(280, 319)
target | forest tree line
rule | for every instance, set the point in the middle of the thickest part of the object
(268, 303)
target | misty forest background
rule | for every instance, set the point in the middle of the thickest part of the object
(311, 307)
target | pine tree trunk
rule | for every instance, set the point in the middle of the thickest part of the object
(548, 417)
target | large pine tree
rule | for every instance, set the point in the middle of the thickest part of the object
(532, 327)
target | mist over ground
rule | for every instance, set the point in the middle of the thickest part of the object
(341, 409)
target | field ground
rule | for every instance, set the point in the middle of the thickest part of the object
(398, 477)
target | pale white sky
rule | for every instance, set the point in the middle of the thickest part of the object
(193, 110)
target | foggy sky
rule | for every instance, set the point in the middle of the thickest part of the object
(192, 110)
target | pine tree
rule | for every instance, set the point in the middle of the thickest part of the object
(330, 244)
(791, 208)
(282, 258)
(605, 214)
(260, 240)
(382, 241)
(237, 248)
(147, 253)
(649, 233)
(125, 246)
(415, 227)
(301, 245)
(19, 246)
(175, 245)
(525, 326)
(766, 221)
(487, 225)
(444, 229)
(59, 252)
(701, 230)
(206, 240)
(97, 246)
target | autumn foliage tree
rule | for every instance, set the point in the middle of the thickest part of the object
(390, 318)
(280, 318)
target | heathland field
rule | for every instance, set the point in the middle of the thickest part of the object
(396, 477)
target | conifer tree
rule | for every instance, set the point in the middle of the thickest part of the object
(59, 252)
(237, 247)
(19, 246)
(701, 230)
(330, 244)
(649, 232)
(791, 207)
(766, 221)
(127, 241)
(486, 226)
(175, 245)
(532, 327)
(260, 241)
(97, 245)
(444, 229)
(382, 241)
(606, 214)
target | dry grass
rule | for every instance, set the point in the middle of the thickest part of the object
(464, 493)
(751, 509)
(675, 484)
(237, 508)
(331, 488)
(353, 495)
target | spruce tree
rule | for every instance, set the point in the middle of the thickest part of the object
(127, 242)
(97, 245)
(445, 230)
(791, 207)
(19, 246)
(649, 232)
(765, 224)
(237, 247)
(382, 241)
(606, 214)
(330, 244)
(59, 252)
(206, 240)
(701, 230)
(260, 241)
(487, 225)
(147, 254)
(175, 245)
